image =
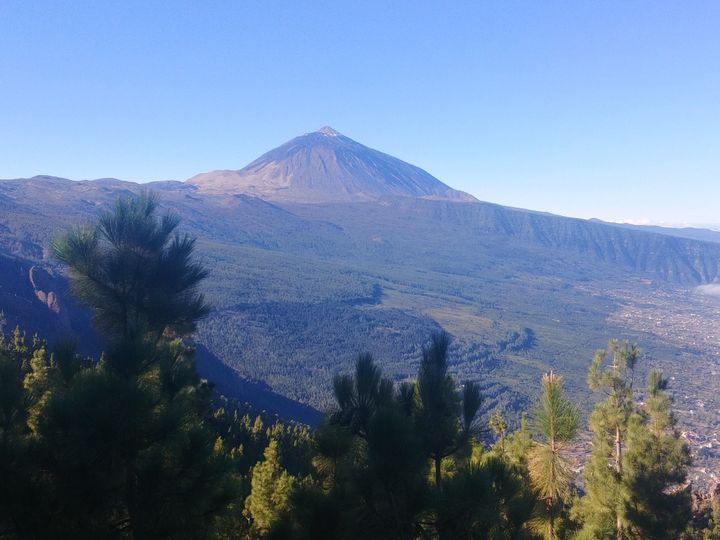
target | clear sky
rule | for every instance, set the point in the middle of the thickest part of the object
(589, 109)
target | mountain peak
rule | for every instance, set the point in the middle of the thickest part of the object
(326, 166)
(330, 132)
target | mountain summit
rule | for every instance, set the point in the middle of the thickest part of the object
(326, 166)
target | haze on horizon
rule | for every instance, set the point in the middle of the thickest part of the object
(588, 110)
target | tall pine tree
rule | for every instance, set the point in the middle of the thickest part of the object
(658, 503)
(603, 506)
(126, 440)
(444, 416)
(556, 421)
(271, 487)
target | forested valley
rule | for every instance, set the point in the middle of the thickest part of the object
(135, 444)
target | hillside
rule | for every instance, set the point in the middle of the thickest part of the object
(692, 233)
(298, 288)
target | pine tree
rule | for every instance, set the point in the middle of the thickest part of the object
(333, 443)
(358, 397)
(18, 348)
(392, 479)
(16, 485)
(487, 499)
(556, 420)
(602, 507)
(40, 381)
(655, 465)
(444, 417)
(518, 444)
(380, 474)
(499, 426)
(270, 491)
(126, 440)
(135, 271)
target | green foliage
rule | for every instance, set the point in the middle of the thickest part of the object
(655, 465)
(499, 425)
(487, 500)
(441, 428)
(556, 421)
(120, 447)
(101, 453)
(602, 507)
(385, 467)
(333, 443)
(518, 444)
(19, 490)
(390, 477)
(270, 490)
(642, 495)
(132, 447)
(373, 482)
(134, 271)
(361, 396)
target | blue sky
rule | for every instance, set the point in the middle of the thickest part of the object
(589, 109)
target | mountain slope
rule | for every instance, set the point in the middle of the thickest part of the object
(39, 301)
(306, 276)
(691, 233)
(326, 166)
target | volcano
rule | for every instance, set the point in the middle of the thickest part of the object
(326, 166)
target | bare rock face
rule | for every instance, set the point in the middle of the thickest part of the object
(325, 166)
(41, 281)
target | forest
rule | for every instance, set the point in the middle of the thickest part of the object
(135, 444)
